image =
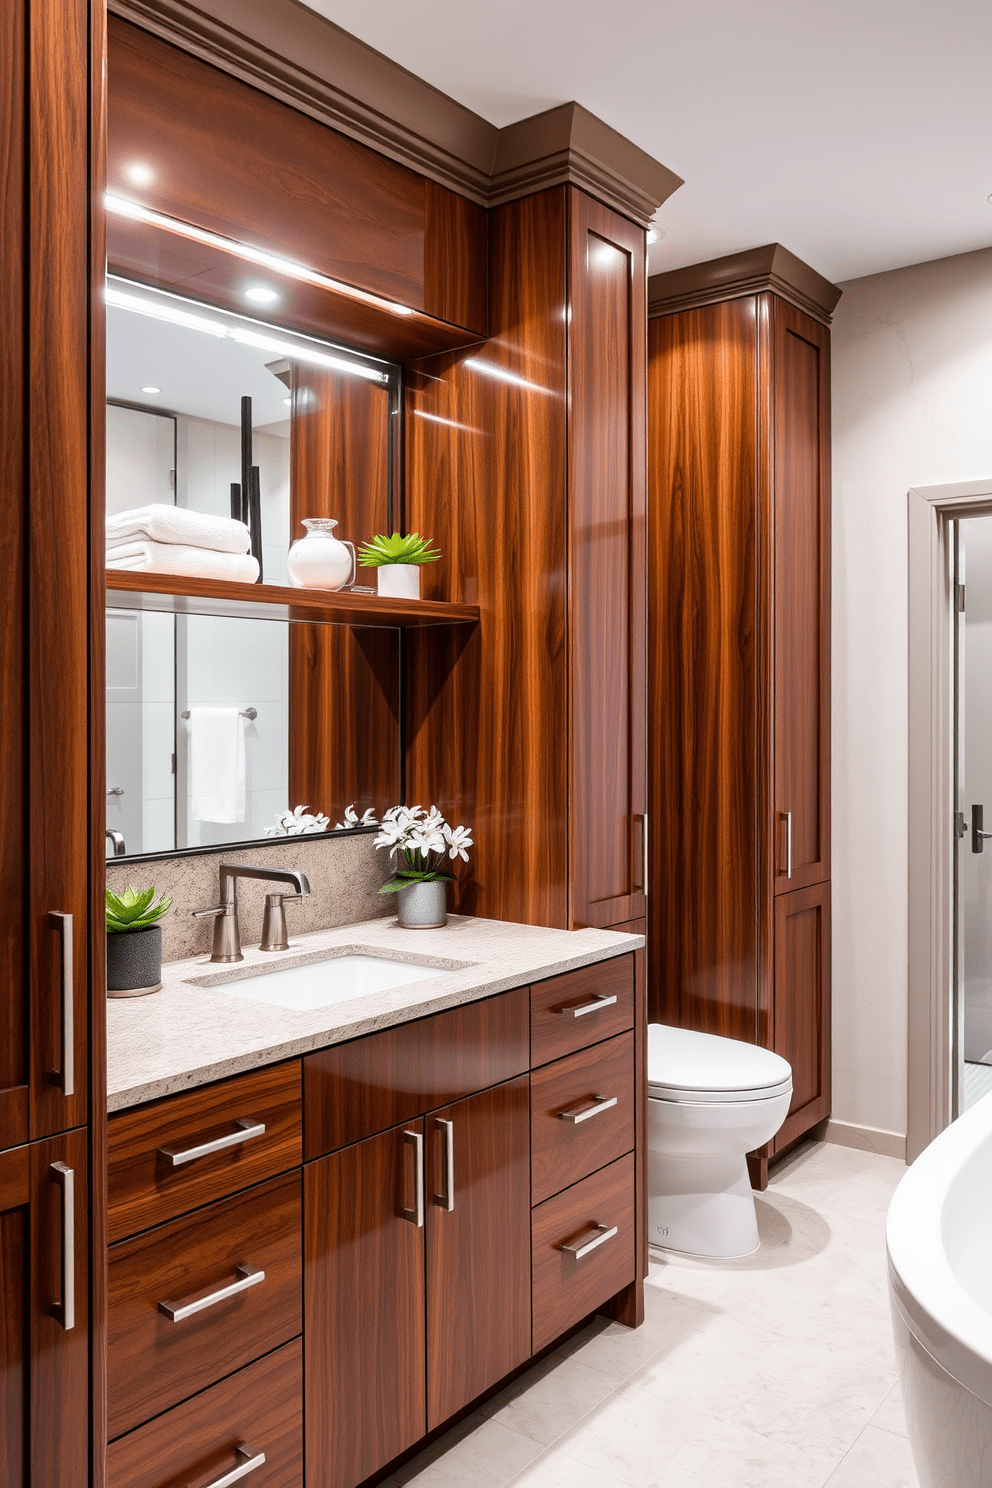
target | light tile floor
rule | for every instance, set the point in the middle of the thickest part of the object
(776, 1371)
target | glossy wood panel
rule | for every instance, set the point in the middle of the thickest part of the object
(13, 621)
(627, 1306)
(365, 1318)
(15, 1315)
(607, 455)
(355, 1089)
(565, 1289)
(563, 1151)
(486, 478)
(263, 171)
(704, 781)
(154, 1362)
(802, 1004)
(555, 1034)
(196, 1443)
(58, 370)
(60, 1361)
(456, 233)
(478, 1250)
(800, 349)
(344, 685)
(144, 1189)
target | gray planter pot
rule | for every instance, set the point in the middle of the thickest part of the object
(134, 962)
(423, 906)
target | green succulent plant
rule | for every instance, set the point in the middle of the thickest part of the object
(396, 548)
(134, 911)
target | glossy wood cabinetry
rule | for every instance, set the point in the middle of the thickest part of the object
(739, 679)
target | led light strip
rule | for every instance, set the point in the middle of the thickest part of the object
(121, 206)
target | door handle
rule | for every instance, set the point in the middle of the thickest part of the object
(786, 816)
(65, 1078)
(978, 836)
(177, 1312)
(416, 1214)
(65, 1311)
(447, 1199)
(643, 818)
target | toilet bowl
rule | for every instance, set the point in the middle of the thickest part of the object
(710, 1101)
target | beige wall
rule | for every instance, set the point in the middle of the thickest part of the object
(912, 406)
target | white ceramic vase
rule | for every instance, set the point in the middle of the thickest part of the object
(399, 580)
(320, 560)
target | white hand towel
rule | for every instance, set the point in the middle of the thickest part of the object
(177, 524)
(217, 764)
(195, 563)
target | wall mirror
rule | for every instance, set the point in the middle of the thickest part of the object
(204, 406)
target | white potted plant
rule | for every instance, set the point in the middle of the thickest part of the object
(397, 561)
(426, 844)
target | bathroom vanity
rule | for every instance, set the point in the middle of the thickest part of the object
(325, 1257)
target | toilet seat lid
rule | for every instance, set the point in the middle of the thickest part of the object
(685, 1065)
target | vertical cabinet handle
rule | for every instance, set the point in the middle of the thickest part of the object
(250, 1461)
(447, 1199)
(65, 1311)
(786, 816)
(65, 1078)
(416, 1214)
(643, 819)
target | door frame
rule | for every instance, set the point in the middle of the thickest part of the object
(931, 801)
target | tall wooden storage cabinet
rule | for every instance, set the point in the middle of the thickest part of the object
(739, 660)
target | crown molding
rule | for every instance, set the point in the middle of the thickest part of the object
(770, 267)
(297, 56)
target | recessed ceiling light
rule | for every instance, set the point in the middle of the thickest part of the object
(652, 235)
(141, 175)
(657, 233)
(261, 295)
(288, 402)
(151, 389)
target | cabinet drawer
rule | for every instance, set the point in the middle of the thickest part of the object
(580, 1008)
(567, 1286)
(367, 1085)
(153, 1360)
(259, 1408)
(573, 1129)
(153, 1172)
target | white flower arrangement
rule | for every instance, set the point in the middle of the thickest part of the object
(352, 820)
(298, 823)
(425, 841)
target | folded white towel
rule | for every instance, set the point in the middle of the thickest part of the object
(217, 764)
(195, 563)
(177, 524)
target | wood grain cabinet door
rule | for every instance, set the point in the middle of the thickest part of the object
(607, 457)
(44, 1343)
(801, 583)
(478, 1245)
(363, 1250)
(802, 1004)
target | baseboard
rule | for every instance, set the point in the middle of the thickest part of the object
(866, 1139)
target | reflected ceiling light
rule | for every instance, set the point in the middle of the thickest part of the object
(151, 389)
(298, 351)
(652, 235)
(288, 402)
(261, 295)
(491, 370)
(139, 174)
(121, 206)
(435, 418)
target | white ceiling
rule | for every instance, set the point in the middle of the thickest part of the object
(858, 133)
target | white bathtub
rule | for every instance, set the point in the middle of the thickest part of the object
(939, 1240)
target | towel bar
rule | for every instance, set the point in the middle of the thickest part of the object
(251, 713)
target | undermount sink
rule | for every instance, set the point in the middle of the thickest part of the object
(319, 983)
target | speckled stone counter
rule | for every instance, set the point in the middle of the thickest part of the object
(188, 1035)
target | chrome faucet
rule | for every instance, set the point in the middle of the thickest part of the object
(117, 838)
(227, 935)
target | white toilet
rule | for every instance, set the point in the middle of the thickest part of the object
(710, 1101)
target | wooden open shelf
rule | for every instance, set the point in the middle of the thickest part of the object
(177, 595)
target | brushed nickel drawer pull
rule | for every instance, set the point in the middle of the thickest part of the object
(600, 1103)
(248, 1129)
(447, 1199)
(604, 1234)
(248, 1276)
(252, 1460)
(416, 1214)
(65, 1311)
(599, 1001)
(65, 1078)
(786, 816)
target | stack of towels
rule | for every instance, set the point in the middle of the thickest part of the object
(175, 540)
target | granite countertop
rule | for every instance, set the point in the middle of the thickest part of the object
(188, 1035)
